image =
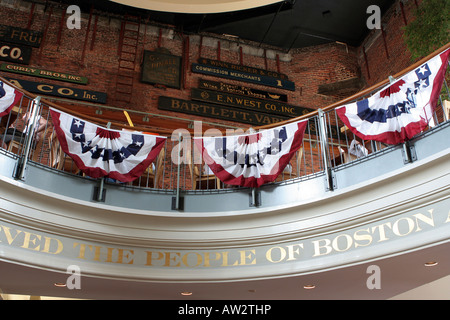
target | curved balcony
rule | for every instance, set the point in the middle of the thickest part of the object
(324, 222)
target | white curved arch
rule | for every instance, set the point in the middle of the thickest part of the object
(196, 6)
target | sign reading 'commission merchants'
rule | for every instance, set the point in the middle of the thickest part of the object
(161, 68)
(266, 106)
(246, 69)
(243, 76)
(31, 71)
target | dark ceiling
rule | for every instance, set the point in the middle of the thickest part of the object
(284, 25)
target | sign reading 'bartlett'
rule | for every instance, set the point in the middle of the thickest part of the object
(161, 68)
(233, 100)
(217, 111)
(31, 71)
(243, 76)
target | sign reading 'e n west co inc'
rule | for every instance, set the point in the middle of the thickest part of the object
(244, 102)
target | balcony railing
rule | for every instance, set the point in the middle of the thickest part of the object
(327, 142)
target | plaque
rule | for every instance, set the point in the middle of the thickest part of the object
(245, 91)
(161, 68)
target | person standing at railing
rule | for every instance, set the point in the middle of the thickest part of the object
(13, 133)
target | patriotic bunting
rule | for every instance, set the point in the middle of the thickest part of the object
(401, 110)
(8, 98)
(252, 160)
(100, 152)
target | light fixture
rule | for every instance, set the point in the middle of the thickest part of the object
(430, 264)
(186, 293)
(59, 284)
(309, 286)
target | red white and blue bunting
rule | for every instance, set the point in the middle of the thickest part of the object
(100, 152)
(252, 160)
(401, 110)
(9, 97)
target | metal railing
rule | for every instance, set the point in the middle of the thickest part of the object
(327, 144)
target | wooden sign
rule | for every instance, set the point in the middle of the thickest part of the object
(241, 68)
(243, 76)
(216, 111)
(31, 71)
(243, 102)
(15, 53)
(241, 90)
(60, 91)
(20, 36)
(161, 68)
(252, 118)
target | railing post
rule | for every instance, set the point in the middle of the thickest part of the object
(176, 200)
(23, 160)
(325, 151)
(101, 191)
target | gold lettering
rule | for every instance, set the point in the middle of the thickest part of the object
(47, 244)
(42, 86)
(247, 254)
(169, 259)
(396, 228)
(361, 237)
(282, 254)
(348, 241)
(291, 251)
(422, 217)
(208, 259)
(27, 240)
(151, 258)
(7, 232)
(318, 247)
(185, 259)
(382, 233)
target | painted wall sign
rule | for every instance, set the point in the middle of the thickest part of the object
(243, 76)
(60, 91)
(241, 90)
(217, 111)
(161, 68)
(31, 71)
(266, 106)
(246, 69)
(352, 243)
(20, 36)
(15, 53)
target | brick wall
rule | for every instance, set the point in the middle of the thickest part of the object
(97, 59)
(385, 51)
